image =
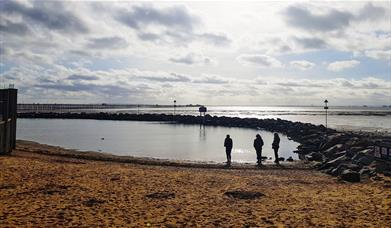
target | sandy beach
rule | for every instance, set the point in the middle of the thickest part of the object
(39, 188)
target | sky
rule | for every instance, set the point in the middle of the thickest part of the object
(200, 52)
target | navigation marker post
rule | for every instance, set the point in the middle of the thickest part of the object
(326, 108)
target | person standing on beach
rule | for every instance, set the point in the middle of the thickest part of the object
(228, 148)
(258, 144)
(276, 146)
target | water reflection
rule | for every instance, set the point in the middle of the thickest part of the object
(202, 132)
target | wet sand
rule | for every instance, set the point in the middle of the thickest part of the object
(46, 186)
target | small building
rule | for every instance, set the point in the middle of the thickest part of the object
(8, 101)
(202, 109)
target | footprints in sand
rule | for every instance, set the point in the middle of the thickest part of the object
(92, 202)
(244, 194)
(161, 195)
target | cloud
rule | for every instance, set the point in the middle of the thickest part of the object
(342, 65)
(216, 39)
(310, 43)
(259, 60)
(211, 79)
(303, 18)
(140, 17)
(302, 65)
(379, 54)
(305, 83)
(192, 58)
(7, 26)
(76, 77)
(113, 90)
(159, 77)
(51, 15)
(113, 42)
(371, 12)
(332, 20)
(167, 25)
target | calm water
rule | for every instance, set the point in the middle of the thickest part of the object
(151, 139)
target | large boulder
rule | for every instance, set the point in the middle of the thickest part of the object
(380, 166)
(362, 158)
(344, 166)
(314, 156)
(365, 160)
(350, 176)
(339, 138)
(334, 149)
(366, 171)
(335, 162)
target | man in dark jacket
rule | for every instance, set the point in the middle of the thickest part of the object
(276, 146)
(258, 143)
(228, 148)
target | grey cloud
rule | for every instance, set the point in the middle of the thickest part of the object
(333, 20)
(188, 59)
(211, 79)
(89, 87)
(191, 59)
(166, 37)
(79, 52)
(260, 81)
(310, 43)
(290, 84)
(146, 36)
(371, 12)
(370, 85)
(141, 16)
(303, 83)
(77, 77)
(167, 78)
(49, 14)
(46, 80)
(4, 51)
(175, 24)
(7, 26)
(259, 60)
(305, 19)
(215, 39)
(114, 42)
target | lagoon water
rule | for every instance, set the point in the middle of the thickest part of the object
(151, 139)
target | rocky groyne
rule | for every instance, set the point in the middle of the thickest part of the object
(349, 155)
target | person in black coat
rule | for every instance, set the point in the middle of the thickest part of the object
(276, 146)
(228, 148)
(258, 143)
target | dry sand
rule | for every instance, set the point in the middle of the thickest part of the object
(44, 190)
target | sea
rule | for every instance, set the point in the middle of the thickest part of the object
(355, 118)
